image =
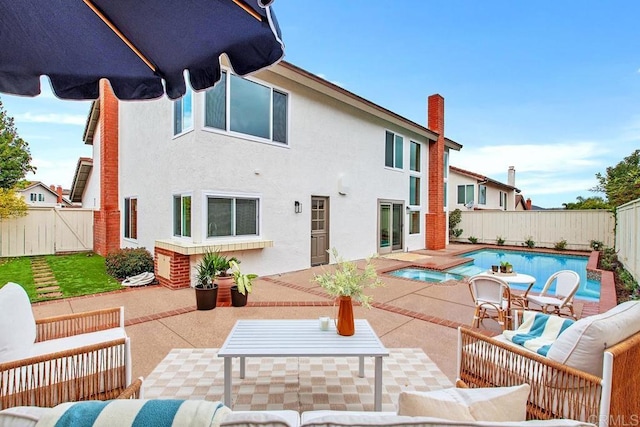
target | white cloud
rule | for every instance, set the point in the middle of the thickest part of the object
(64, 119)
(53, 172)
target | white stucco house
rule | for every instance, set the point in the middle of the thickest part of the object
(37, 194)
(274, 169)
(471, 190)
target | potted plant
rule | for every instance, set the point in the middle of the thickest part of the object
(224, 280)
(346, 283)
(206, 289)
(243, 285)
(506, 267)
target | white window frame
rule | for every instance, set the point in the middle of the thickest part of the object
(466, 196)
(227, 195)
(33, 197)
(503, 200)
(395, 150)
(446, 179)
(183, 130)
(127, 213)
(228, 131)
(482, 199)
(182, 195)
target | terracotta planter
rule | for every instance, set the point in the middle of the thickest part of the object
(206, 298)
(345, 325)
(224, 288)
(237, 299)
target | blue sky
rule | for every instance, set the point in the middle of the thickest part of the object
(550, 87)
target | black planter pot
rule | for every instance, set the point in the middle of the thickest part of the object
(206, 298)
(237, 299)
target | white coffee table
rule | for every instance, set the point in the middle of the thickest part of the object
(300, 338)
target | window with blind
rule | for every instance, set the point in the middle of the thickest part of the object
(239, 105)
(232, 216)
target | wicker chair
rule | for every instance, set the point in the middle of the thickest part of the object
(74, 357)
(557, 389)
(567, 284)
(492, 298)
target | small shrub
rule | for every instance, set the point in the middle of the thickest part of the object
(457, 232)
(561, 245)
(596, 245)
(128, 262)
(500, 240)
(608, 259)
(528, 242)
(455, 217)
(473, 239)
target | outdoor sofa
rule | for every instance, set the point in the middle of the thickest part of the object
(591, 371)
(160, 412)
(58, 359)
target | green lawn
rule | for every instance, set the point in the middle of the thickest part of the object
(77, 274)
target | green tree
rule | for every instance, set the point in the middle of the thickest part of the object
(11, 204)
(621, 183)
(15, 162)
(15, 157)
(588, 203)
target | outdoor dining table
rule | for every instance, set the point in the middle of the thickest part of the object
(518, 279)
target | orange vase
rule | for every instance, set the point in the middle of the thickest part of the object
(345, 324)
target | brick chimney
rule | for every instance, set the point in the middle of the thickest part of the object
(106, 221)
(436, 219)
(511, 176)
(528, 203)
(59, 193)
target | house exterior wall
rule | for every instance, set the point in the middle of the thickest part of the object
(91, 195)
(50, 200)
(493, 193)
(328, 141)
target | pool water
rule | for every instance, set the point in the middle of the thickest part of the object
(536, 264)
(425, 275)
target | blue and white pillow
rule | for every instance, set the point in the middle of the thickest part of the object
(538, 331)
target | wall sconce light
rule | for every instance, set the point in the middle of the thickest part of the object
(298, 206)
(408, 209)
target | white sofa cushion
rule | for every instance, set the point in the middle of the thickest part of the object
(582, 345)
(76, 341)
(468, 404)
(389, 419)
(22, 416)
(17, 323)
(284, 418)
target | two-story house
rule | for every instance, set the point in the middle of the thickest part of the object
(37, 194)
(471, 190)
(274, 169)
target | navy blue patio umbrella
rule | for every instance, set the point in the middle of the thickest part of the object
(141, 46)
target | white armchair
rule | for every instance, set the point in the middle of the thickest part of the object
(58, 359)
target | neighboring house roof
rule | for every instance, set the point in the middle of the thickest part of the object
(83, 170)
(482, 178)
(312, 81)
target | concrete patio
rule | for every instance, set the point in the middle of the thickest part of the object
(405, 313)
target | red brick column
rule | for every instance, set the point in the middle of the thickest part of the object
(436, 219)
(179, 269)
(106, 222)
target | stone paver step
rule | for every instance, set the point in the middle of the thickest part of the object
(51, 295)
(48, 289)
(46, 284)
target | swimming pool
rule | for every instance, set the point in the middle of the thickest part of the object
(425, 275)
(537, 264)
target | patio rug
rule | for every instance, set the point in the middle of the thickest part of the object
(297, 383)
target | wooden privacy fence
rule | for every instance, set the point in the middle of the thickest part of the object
(546, 228)
(627, 236)
(46, 231)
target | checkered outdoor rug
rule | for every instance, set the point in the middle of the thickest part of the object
(297, 383)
